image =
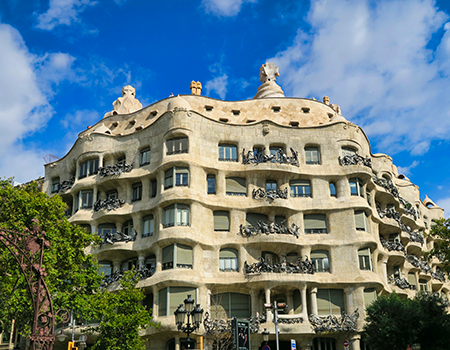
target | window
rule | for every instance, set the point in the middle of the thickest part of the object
(333, 192)
(221, 220)
(153, 188)
(292, 258)
(397, 271)
(394, 237)
(137, 192)
(252, 219)
(177, 145)
(361, 221)
(177, 255)
(176, 215)
(121, 159)
(312, 155)
(148, 224)
(106, 229)
(271, 185)
(170, 297)
(211, 181)
(148, 303)
(150, 262)
(128, 228)
(55, 185)
(356, 187)
(423, 285)
(370, 295)
(105, 267)
(297, 301)
(112, 194)
(324, 344)
(300, 188)
(330, 302)
(180, 174)
(88, 168)
(369, 198)
(348, 151)
(315, 223)
(144, 156)
(228, 305)
(275, 150)
(228, 259)
(86, 199)
(129, 264)
(320, 260)
(365, 260)
(270, 258)
(236, 186)
(227, 153)
(412, 279)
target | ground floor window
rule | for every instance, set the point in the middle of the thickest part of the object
(324, 344)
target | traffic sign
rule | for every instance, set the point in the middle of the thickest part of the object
(346, 343)
(266, 347)
(293, 345)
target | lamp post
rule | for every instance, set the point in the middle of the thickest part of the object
(187, 325)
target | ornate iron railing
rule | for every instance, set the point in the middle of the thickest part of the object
(331, 323)
(143, 273)
(396, 245)
(108, 204)
(290, 320)
(438, 275)
(414, 261)
(113, 237)
(115, 170)
(260, 193)
(401, 283)
(66, 184)
(223, 326)
(257, 156)
(355, 159)
(301, 266)
(265, 228)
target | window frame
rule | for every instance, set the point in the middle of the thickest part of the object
(88, 168)
(228, 152)
(208, 184)
(321, 263)
(170, 219)
(217, 224)
(313, 154)
(356, 187)
(366, 227)
(177, 145)
(86, 197)
(145, 156)
(136, 192)
(228, 263)
(236, 179)
(365, 259)
(315, 230)
(150, 226)
(300, 188)
(173, 262)
(330, 184)
(172, 178)
(55, 185)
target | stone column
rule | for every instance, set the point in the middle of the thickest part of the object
(356, 342)
(303, 292)
(116, 265)
(93, 229)
(155, 301)
(141, 261)
(220, 183)
(254, 302)
(95, 196)
(349, 307)
(290, 301)
(385, 273)
(158, 256)
(314, 301)
(267, 301)
(342, 188)
(177, 342)
(137, 223)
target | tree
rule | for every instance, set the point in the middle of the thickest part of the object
(72, 275)
(121, 316)
(219, 337)
(440, 231)
(393, 322)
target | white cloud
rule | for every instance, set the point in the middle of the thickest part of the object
(406, 170)
(373, 60)
(81, 118)
(444, 203)
(62, 12)
(224, 8)
(218, 85)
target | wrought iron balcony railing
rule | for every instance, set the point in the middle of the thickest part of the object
(143, 273)
(260, 193)
(300, 266)
(355, 159)
(115, 170)
(331, 323)
(113, 237)
(223, 326)
(257, 156)
(66, 184)
(401, 282)
(265, 228)
(396, 245)
(108, 204)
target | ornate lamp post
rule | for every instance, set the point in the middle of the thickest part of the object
(188, 310)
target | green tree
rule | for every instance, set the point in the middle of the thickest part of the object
(440, 231)
(72, 275)
(121, 316)
(393, 322)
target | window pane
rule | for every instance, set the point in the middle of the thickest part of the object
(162, 302)
(370, 294)
(221, 221)
(333, 190)
(211, 184)
(236, 186)
(184, 256)
(253, 218)
(315, 223)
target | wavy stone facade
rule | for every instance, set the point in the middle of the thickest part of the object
(243, 203)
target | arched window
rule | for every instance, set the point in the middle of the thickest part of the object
(333, 192)
(177, 145)
(228, 258)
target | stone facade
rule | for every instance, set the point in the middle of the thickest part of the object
(249, 202)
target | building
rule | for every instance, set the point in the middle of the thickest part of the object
(245, 203)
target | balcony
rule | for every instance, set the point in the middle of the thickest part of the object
(143, 273)
(113, 237)
(393, 246)
(108, 204)
(261, 266)
(331, 323)
(115, 170)
(257, 156)
(355, 159)
(260, 193)
(265, 228)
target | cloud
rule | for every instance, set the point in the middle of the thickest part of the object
(375, 61)
(444, 203)
(406, 170)
(224, 8)
(218, 85)
(62, 12)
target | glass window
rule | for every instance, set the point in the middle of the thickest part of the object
(236, 186)
(176, 255)
(369, 198)
(315, 223)
(129, 264)
(297, 300)
(348, 151)
(221, 220)
(321, 260)
(361, 222)
(176, 215)
(412, 279)
(148, 225)
(88, 168)
(178, 176)
(324, 344)
(177, 145)
(228, 259)
(211, 180)
(121, 160)
(370, 295)
(144, 157)
(55, 185)
(252, 219)
(356, 187)
(330, 302)
(276, 151)
(86, 199)
(312, 155)
(170, 298)
(270, 257)
(105, 267)
(365, 259)
(112, 194)
(228, 305)
(137, 192)
(106, 229)
(153, 188)
(271, 185)
(128, 228)
(292, 258)
(333, 192)
(423, 285)
(227, 153)
(300, 188)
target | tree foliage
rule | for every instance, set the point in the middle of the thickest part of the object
(121, 316)
(71, 274)
(393, 322)
(440, 231)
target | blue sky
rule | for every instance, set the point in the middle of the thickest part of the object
(386, 63)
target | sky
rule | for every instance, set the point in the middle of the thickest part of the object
(386, 63)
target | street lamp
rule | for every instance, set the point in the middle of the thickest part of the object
(190, 311)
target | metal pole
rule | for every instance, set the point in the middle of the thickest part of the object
(275, 321)
(73, 325)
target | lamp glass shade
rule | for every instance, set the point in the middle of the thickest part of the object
(265, 335)
(180, 314)
(189, 303)
(197, 314)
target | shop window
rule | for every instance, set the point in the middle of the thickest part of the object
(321, 260)
(176, 215)
(228, 259)
(236, 186)
(88, 168)
(312, 155)
(211, 183)
(144, 156)
(228, 305)
(170, 298)
(136, 192)
(356, 187)
(361, 221)
(178, 176)
(365, 259)
(330, 302)
(300, 188)
(315, 223)
(228, 153)
(177, 145)
(221, 220)
(176, 256)
(148, 225)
